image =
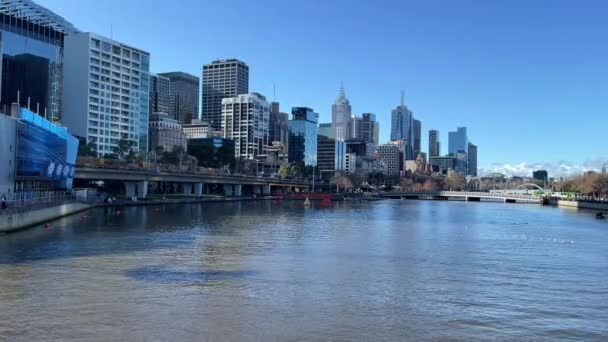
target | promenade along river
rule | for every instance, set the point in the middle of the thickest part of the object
(386, 270)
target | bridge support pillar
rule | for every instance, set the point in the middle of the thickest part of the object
(257, 189)
(233, 190)
(136, 189)
(142, 189)
(266, 189)
(130, 189)
(187, 189)
(238, 188)
(198, 189)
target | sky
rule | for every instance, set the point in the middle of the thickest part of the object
(529, 79)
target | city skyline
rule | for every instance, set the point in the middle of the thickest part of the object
(475, 91)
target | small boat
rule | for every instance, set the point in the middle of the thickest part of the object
(600, 216)
(307, 201)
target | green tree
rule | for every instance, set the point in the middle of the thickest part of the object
(87, 150)
(122, 148)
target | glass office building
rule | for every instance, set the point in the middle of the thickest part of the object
(31, 39)
(303, 136)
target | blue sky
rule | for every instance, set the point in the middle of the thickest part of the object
(528, 78)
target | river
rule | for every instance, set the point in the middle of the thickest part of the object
(385, 270)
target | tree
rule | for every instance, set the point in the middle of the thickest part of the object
(407, 184)
(87, 150)
(343, 182)
(430, 185)
(456, 181)
(284, 171)
(122, 148)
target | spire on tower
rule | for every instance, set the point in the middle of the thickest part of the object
(342, 92)
(402, 98)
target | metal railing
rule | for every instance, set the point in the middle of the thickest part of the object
(33, 200)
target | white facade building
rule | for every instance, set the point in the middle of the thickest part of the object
(341, 117)
(106, 91)
(245, 119)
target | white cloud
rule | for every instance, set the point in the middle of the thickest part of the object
(560, 168)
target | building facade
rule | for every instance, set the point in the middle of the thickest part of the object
(402, 129)
(472, 159)
(32, 55)
(106, 91)
(166, 133)
(458, 140)
(303, 133)
(368, 129)
(222, 79)
(326, 130)
(245, 119)
(434, 144)
(390, 155)
(417, 139)
(183, 96)
(199, 129)
(331, 156)
(541, 175)
(8, 144)
(160, 94)
(443, 164)
(341, 119)
(279, 126)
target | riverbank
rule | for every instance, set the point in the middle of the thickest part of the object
(22, 220)
(579, 205)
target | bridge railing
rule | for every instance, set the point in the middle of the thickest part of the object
(448, 193)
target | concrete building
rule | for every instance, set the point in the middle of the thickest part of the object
(279, 127)
(8, 144)
(331, 156)
(32, 55)
(222, 79)
(183, 96)
(326, 130)
(106, 91)
(341, 117)
(199, 129)
(303, 133)
(390, 155)
(417, 131)
(245, 119)
(472, 159)
(165, 132)
(160, 94)
(434, 144)
(443, 163)
(458, 140)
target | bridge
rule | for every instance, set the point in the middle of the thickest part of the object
(469, 196)
(136, 181)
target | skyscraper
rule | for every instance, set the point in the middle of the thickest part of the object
(331, 156)
(326, 130)
(222, 79)
(367, 128)
(472, 156)
(390, 155)
(402, 128)
(458, 141)
(279, 126)
(417, 138)
(106, 91)
(159, 94)
(32, 46)
(434, 144)
(303, 136)
(183, 98)
(341, 117)
(245, 120)
(355, 127)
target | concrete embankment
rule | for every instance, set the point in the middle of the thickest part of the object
(579, 205)
(17, 221)
(20, 220)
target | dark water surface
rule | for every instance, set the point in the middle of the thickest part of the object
(387, 270)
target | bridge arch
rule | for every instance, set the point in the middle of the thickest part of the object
(530, 185)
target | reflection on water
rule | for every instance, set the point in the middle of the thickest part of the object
(389, 270)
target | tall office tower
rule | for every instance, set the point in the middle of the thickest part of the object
(377, 133)
(245, 120)
(106, 91)
(183, 96)
(458, 140)
(331, 156)
(402, 128)
(32, 45)
(417, 138)
(303, 133)
(368, 128)
(221, 79)
(159, 94)
(355, 127)
(472, 158)
(434, 145)
(279, 126)
(326, 130)
(341, 119)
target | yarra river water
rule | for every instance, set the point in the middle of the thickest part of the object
(385, 270)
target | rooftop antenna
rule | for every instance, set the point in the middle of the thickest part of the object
(402, 98)
(274, 92)
(342, 93)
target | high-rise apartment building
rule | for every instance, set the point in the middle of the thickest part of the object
(303, 136)
(32, 45)
(106, 91)
(245, 119)
(160, 94)
(434, 144)
(390, 155)
(183, 96)
(458, 140)
(472, 159)
(222, 79)
(341, 119)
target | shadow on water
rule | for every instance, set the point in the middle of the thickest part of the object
(166, 274)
